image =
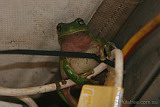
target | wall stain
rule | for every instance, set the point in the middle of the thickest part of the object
(29, 65)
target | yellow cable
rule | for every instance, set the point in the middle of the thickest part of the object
(140, 34)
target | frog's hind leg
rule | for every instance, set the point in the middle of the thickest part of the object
(79, 79)
(67, 97)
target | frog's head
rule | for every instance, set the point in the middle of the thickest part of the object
(66, 29)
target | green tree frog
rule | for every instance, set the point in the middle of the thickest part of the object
(76, 37)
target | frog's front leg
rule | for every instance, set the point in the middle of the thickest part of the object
(104, 46)
(79, 79)
(102, 55)
(107, 48)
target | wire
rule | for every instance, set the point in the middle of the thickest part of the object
(57, 53)
(118, 67)
(52, 87)
(46, 88)
(140, 35)
(28, 100)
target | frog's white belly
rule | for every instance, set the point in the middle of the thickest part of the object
(82, 65)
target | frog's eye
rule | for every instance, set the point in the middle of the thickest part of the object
(80, 21)
(58, 27)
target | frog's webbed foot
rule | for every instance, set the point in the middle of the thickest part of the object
(106, 47)
(58, 86)
(86, 74)
(102, 55)
(90, 81)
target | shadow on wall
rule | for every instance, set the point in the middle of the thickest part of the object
(29, 65)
